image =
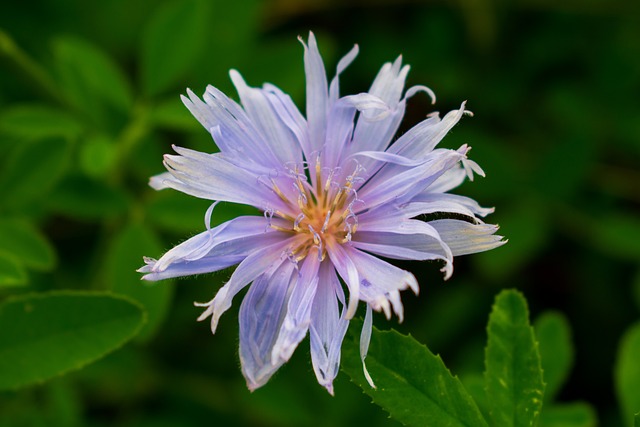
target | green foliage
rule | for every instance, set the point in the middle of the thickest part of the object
(171, 42)
(48, 334)
(412, 384)
(513, 374)
(32, 170)
(556, 351)
(37, 121)
(90, 79)
(26, 244)
(124, 257)
(578, 414)
(627, 374)
(12, 272)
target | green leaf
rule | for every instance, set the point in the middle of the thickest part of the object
(32, 171)
(97, 156)
(34, 121)
(82, 198)
(12, 273)
(123, 259)
(26, 244)
(627, 373)
(513, 374)
(413, 384)
(172, 40)
(636, 418)
(89, 77)
(49, 334)
(577, 414)
(173, 115)
(556, 351)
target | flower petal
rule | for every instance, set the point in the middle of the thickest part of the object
(349, 273)
(465, 238)
(214, 249)
(274, 131)
(298, 317)
(261, 315)
(212, 177)
(259, 262)
(317, 95)
(365, 339)
(381, 282)
(334, 88)
(421, 139)
(328, 327)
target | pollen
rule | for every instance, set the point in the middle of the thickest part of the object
(323, 207)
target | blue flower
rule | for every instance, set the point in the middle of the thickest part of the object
(335, 193)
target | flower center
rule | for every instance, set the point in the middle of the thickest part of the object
(324, 210)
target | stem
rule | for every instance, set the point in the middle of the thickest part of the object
(29, 69)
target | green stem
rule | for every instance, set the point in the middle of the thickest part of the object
(29, 69)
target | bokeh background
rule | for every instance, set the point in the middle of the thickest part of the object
(89, 102)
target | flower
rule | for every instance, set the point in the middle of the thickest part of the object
(335, 192)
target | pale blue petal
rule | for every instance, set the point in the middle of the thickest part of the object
(298, 317)
(465, 238)
(445, 202)
(280, 140)
(365, 340)
(262, 313)
(212, 177)
(259, 262)
(328, 327)
(317, 95)
(381, 282)
(421, 139)
(349, 273)
(334, 88)
(215, 249)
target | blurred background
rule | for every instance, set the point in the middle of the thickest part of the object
(89, 102)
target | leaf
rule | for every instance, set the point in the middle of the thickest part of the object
(556, 351)
(636, 420)
(12, 273)
(173, 115)
(123, 259)
(171, 42)
(513, 374)
(49, 334)
(413, 384)
(32, 171)
(577, 414)
(89, 77)
(97, 156)
(26, 244)
(34, 121)
(82, 198)
(627, 373)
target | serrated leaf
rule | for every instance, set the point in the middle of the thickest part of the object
(171, 42)
(577, 414)
(123, 259)
(35, 121)
(26, 244)
(32, 170)
(89, 78)
(12, 273)
(413, 384)
(627, 374)
(556, 351)
(49, 334)
(513, 374)
(82, 198)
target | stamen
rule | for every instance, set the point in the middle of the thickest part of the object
(277, 190)
(326, 222)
